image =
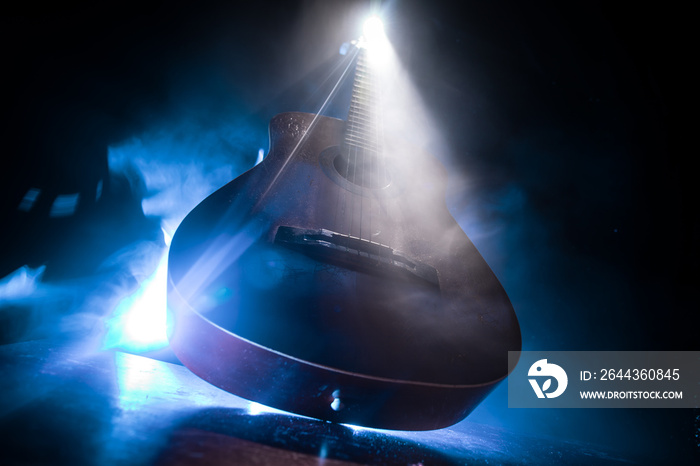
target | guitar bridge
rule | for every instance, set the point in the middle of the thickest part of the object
(355, 253)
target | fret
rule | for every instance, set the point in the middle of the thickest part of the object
(368, 134)
(365, 105)
(362, 124)
(361, 130)
(362, 162)
(359, 91)
(360, 140)
(363, 78)
(367, 101)
(360, 109)
(359, 135)
(365, 124)
(362, 92)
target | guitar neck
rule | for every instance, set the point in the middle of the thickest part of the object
(363, 129)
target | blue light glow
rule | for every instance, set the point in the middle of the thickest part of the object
(173, 168)
(373, 30)
(139, 321)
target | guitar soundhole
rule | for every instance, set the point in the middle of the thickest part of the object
(367, 172)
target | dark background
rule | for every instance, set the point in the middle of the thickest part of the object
(560, 125)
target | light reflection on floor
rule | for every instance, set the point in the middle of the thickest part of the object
(139, 379)
(120, 408)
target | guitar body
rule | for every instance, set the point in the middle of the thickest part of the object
(356, 302)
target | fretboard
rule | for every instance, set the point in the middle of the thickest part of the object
(363, 128)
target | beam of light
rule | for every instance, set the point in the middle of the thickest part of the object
(223, 251)
(407, 123)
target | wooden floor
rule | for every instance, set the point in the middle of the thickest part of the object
(70, 403)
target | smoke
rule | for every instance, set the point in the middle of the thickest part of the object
(179, 165)
(198, 133)
(182, 164)
(20, 284)
(167, 170)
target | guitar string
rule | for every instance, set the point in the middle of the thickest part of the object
(370, 116)
(371, 157)
(373, 160)
(363, 73)
(357, 149)
(351, 146)
(344, 214)
(375, 120)
(375, 93)
(363, 136)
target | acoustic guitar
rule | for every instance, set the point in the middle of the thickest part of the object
(331, 281)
